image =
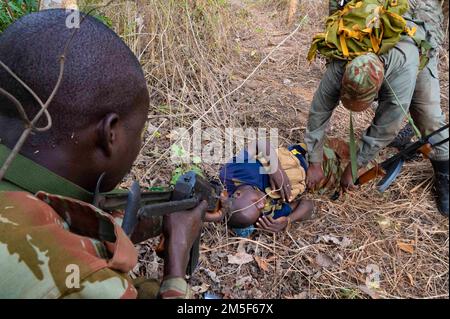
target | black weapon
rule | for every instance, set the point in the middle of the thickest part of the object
(187, 194)
(390, 168)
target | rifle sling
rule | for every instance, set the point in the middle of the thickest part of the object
(26, 175)
(32, 177)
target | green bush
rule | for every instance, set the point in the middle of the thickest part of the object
(11, 10)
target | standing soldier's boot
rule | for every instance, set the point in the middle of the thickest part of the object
(441, 187)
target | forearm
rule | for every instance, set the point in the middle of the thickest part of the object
(300, 210)
(324, 102)
(176, 258)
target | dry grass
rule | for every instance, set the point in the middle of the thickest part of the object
(194, 53)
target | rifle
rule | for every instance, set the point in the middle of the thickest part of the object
(390, 168)
(188, 192)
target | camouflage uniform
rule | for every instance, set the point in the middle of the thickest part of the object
(418, 94)
(49, 243)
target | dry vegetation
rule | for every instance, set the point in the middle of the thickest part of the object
(194, 54)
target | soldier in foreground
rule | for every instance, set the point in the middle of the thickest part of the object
(358, 83)
(53, 243)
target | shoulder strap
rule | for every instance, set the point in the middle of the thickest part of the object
(32, 177)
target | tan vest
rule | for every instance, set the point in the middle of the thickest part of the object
(294, 171)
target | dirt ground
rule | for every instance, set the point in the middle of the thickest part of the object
(364, 245)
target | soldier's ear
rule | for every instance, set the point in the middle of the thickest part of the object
(107, 133)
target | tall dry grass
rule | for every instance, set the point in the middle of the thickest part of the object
(187, 55)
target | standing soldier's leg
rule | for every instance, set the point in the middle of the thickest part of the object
(427, 114)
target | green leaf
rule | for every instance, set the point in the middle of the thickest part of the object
(196, 160)
(352, 145)
(176, 174)
(329, 153)
(178, 150)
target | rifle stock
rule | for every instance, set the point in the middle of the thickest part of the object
(390, 168)
(371, 174)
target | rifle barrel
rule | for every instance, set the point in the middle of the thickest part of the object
(160, 209)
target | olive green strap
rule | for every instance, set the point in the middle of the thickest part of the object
(32, 177)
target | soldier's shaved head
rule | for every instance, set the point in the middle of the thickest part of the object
(101, 73)
(100, 108)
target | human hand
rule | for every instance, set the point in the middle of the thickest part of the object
(273, 225)
(180, 230)
(280, 182)
(314, 176)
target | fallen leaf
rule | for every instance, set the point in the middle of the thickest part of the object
(240, 258)
(302, 295)
(411, 279)
(262, 263)
(324, 260)
(329, 239)
(384, 222)
(211, 274)
(200, 289)
(373, 294)
(406, 247)
(242, 281)
(346, 242)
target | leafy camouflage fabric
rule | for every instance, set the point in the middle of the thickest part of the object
(361, 82)
(361, 27)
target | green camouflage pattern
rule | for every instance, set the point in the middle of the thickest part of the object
(67, 231)
(43, 236)
(362, 79)
(362, 26)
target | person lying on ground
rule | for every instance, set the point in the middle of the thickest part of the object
(265, 187)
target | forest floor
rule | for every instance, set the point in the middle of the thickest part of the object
(364, 245)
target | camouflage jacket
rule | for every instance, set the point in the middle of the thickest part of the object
(54, 246)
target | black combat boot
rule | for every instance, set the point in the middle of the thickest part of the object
(441, 187)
